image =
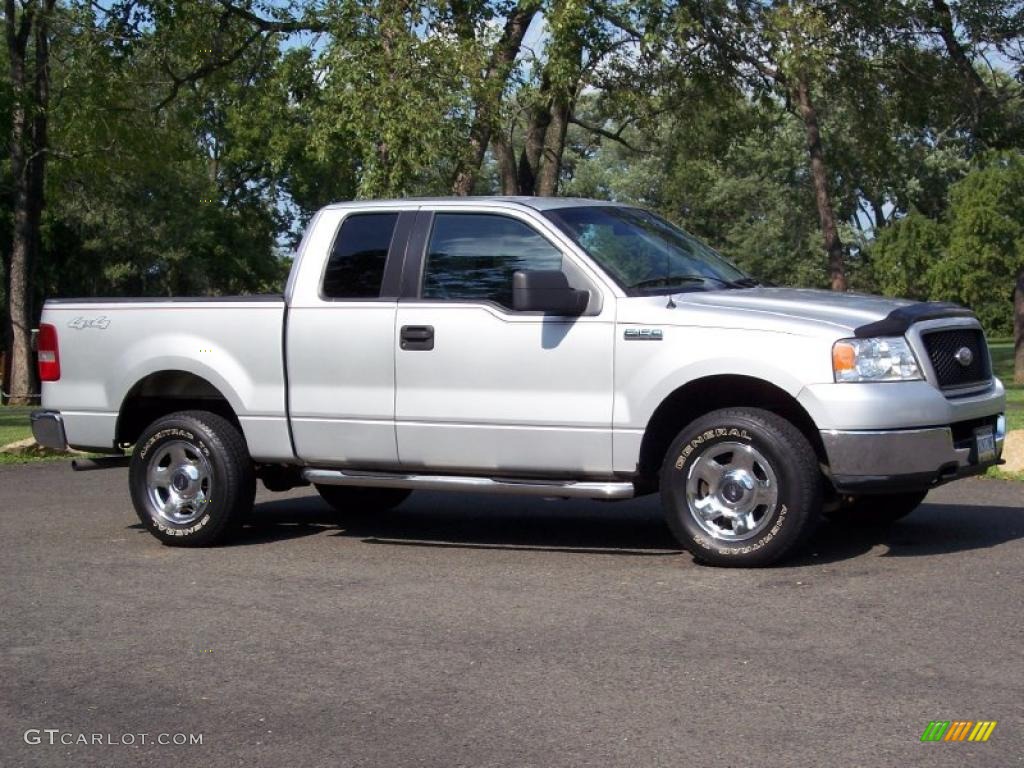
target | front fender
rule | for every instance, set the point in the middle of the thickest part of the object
(647, 372)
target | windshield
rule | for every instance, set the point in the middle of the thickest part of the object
(645, 254)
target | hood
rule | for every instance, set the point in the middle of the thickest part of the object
(787, 309)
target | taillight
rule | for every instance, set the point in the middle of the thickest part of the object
(48, 353)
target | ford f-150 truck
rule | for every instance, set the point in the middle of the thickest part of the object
(548, 347)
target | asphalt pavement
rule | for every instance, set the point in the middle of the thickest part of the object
(464, 630)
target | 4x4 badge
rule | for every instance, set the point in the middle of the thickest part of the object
(100, 322)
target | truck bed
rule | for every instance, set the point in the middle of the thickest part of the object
(108, 348)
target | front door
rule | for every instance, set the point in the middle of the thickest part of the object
(483, 388)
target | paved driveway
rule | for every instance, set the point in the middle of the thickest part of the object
(487, 631)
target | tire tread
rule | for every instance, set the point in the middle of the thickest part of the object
(238, 487)
(798, 450)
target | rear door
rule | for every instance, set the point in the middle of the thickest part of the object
(340, 331)
(481, 387)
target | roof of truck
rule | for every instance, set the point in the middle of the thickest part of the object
(537, 203)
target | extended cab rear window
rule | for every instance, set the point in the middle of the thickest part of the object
(355, 268)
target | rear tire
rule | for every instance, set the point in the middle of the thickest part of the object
(192, 480)
(741, 487)
(876, 510)
(352, 502)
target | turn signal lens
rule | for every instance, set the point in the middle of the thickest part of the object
(844, 357)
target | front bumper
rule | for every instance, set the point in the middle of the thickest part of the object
(898, 460)
(48, 429)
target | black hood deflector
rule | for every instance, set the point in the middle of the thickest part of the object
(899, 320)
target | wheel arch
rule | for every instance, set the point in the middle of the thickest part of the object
(160, 393)
(710, 393)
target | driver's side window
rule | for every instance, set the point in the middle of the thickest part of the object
(472, 257)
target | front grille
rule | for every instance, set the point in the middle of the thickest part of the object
(943, 348)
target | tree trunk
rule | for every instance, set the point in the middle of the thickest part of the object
(504, 155)
(533, 146)
(465, 176)
(877, 208)
(1018, 330)
(487, 100)
(20, 376)
(554, 146)
(5, 385)
(819, 176)
(567, 70)
(37, 163)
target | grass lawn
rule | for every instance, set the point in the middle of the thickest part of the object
(14, 426)
(14, 423)
(1002, 363)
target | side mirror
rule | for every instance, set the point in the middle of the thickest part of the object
(547, 290)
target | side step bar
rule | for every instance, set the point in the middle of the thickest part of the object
(556, 488)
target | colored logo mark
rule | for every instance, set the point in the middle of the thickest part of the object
(958, 730)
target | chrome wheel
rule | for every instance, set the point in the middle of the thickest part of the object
(731, 491)
(178, 483)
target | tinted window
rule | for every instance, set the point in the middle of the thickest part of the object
(472, 257)
(356, 266)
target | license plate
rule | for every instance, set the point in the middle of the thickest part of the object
(985, 442)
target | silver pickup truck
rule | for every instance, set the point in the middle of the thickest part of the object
(547, 347)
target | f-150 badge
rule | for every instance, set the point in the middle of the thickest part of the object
(100, 322)
(643, 334)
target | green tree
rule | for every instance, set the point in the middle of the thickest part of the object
(974, 255)
(581, 57)
(795, 52)
(119, 143)
(905, 254)
(28, 35)
(730, 171)
(985, 256)
(152, 194)
(491, 76)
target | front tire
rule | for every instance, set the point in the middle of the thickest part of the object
(741, 487)
(192, 480)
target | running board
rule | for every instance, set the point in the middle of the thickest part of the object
(556, 488)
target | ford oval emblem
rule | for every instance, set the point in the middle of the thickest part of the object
(964, 356)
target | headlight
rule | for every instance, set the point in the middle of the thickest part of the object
(882, 359)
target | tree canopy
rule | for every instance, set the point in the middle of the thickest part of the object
(162, 148)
